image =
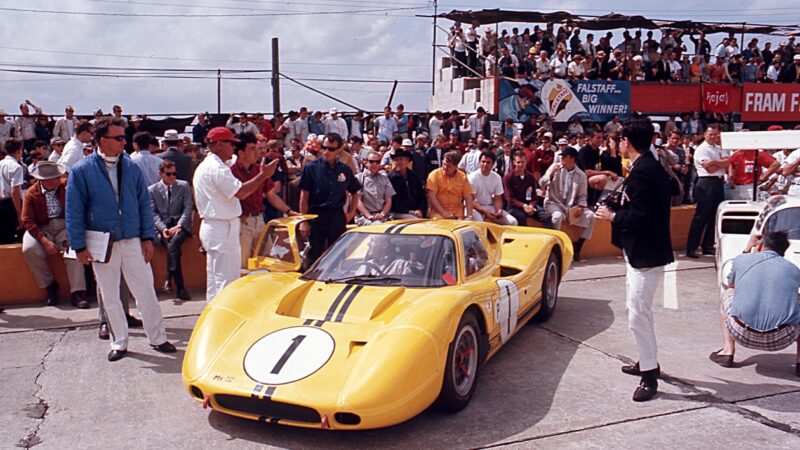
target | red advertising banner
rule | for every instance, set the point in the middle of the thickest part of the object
(771, 102)
(718, 98)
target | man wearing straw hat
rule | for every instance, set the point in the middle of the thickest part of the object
(46, 233)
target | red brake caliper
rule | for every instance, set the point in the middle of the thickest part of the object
(461, 356)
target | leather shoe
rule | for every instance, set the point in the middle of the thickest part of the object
(183, 294)
(722, 360)
(133, 322)
(709, 251)
(166, 347)
(633, 369)
(115, 355)
(645, 391)
(102, 333)
(692, 255)
(52, 294)
(78, 300)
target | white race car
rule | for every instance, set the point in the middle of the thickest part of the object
(737, 220)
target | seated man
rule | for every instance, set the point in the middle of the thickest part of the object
(376, 192)
(46, 233)
(487, 187)
(760, 309)
(172, 214)
(449, 191)
(566, 186)
(383, 258)
(520, 191)
(409, 200)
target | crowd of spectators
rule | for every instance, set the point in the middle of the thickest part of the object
(534, 150)
(571, 53)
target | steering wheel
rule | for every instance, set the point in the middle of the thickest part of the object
(373, 266)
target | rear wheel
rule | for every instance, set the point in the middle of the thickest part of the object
(461, 370)
(549, 289)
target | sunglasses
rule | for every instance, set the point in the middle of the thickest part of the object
(170, 174)
(330, 149)
(374, 161)
(119, 138)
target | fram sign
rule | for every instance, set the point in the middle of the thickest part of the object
(771, 102)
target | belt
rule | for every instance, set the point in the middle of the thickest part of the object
(744, 325)
(255, 214)
(711, 177)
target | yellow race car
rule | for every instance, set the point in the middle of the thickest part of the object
(392, 319)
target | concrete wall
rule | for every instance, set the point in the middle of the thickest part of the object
(17, 285)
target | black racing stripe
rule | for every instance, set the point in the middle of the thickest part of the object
(338, 300)
(263, 419)
(257, 391)
(308, 322)
(269, 392)
(401, 228)
(347, 303)
(390, 229)
(319, 323)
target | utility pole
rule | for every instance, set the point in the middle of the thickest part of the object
(433, 69)
(276, 71)
(219, 91)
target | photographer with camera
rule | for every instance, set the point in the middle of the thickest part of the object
(640, 227)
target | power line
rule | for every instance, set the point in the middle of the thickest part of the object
(239, 8)
(192, 16)
(320, 92)
(170, 58)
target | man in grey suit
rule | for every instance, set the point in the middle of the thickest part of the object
(174, 153)
(172, 214)
(566, 186)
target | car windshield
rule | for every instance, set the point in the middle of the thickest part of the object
(785, 220)
(388, 260)
(277, 244)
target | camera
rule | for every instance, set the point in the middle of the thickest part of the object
(612, 201)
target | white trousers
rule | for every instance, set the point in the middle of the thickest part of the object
(558, 216)
(250, 231)
(640, 288)
(505, 219)
(220, 239)
(36, 257)
(127, 260)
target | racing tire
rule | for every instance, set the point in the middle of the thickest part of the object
(550, 283)
(461, 369)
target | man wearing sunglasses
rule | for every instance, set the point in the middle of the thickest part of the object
(376, 192)
(107, 193)
(324, 185)
(172, 211)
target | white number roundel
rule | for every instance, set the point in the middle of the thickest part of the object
(288, 355)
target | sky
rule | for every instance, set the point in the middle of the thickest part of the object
(369, 43)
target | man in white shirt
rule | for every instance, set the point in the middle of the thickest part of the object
(217, 194)
(470, 162)
(435, 124)
(65, 126)
(11, 179)
(386, 126)
(711, 163)
(559, 64)
(57, 148)
(6, 125)
(790, 169)
(477, 122)
(301, 126)
(356, 124)
(335, 124)
(73, 151)
(487, 193)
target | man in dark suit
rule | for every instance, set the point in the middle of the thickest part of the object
(640, 227)
(172, 214)
(174, 153)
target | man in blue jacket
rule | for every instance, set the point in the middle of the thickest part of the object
(106, 192)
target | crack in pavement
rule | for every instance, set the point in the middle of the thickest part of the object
(38, 410)
(83, 326)
(695, 394)
(608, 277)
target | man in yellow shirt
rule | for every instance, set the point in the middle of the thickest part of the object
(449, 191)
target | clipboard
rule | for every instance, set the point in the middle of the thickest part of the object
(99, 245)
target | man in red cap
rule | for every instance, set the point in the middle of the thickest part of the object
(217, 193)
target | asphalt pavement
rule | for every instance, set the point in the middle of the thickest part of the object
(555, 385)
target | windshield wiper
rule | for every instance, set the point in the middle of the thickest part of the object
(368, 278)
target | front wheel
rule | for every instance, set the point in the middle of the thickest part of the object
(461, 370)
(549, 289)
